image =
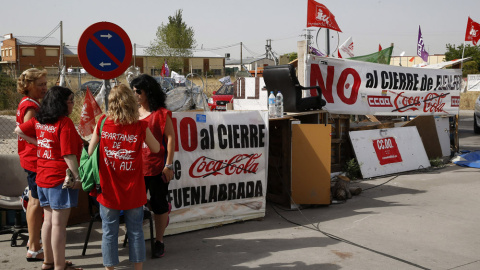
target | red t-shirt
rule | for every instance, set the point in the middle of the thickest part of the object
(54, 141)
(26, 151)
(153, 163)
(121, 176)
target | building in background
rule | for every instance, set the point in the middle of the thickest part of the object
(19, 53)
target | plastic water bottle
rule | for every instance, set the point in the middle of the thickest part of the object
(279, 104)
(271, 105)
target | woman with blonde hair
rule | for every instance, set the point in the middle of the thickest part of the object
(121, 176)
(32, 84)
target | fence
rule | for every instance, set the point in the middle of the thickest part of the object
(9, 99)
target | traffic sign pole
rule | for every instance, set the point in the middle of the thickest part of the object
(108, 87)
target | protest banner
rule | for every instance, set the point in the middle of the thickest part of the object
(354, 87)
(220, 169)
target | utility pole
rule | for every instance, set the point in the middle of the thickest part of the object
(241, 58)
(60, 64)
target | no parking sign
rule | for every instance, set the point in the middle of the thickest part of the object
(105, 50)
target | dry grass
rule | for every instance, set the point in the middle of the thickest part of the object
(467, 100)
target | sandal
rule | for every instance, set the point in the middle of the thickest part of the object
(35, 256)
(28, 244)
(71, 268)
(52, 265)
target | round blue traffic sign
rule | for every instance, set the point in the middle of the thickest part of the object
(105, 50)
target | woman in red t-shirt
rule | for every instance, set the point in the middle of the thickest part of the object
(32, 83)
(58, 149)
(121, 176)
(152, 110)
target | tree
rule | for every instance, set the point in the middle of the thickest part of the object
(472, 67)
(291, 56)
(174, 41)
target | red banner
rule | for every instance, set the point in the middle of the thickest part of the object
(318, 15)
(90, 109)
(387, 150)
(473, 31)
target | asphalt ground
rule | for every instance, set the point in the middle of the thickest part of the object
(417, 220)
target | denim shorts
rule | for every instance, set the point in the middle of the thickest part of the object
(32, 184)
(58, 198)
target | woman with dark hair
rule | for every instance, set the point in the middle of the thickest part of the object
(122, 187)
(32, 83)
(58, 149)
(157, 167)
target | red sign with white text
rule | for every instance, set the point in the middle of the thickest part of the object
(387, 150)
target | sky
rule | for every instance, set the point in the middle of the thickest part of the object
(223, 24)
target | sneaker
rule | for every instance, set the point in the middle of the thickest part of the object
(159, 249)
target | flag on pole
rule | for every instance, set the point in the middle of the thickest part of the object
(473, 31)
(379, 47)
(165, 71)
(421, 46)
(318, 15)
(411, 59)
(313, 50)
(346, 48)
(90, 109)
(381, 57)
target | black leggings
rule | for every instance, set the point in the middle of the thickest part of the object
(158, 193)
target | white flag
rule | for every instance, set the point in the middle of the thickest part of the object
(346, 48)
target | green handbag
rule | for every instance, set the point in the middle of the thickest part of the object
(88, 169)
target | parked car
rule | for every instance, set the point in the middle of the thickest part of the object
(94, 87)
(221, 97)
(476, 117)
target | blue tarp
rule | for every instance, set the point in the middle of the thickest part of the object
(471, 159)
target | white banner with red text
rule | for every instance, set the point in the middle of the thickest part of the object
(354, 87)
(220, 168)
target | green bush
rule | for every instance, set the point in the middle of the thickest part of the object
(9, 98)
(352, 169)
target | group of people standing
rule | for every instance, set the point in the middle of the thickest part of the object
(136, 155)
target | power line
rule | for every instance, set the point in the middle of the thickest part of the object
(46, 36)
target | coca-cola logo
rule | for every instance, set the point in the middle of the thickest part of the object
(122, 154)
(238, 164)
(432, 102)
(403, 104)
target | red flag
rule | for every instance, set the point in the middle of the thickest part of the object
(473, 31)
(318, 15)
(90, 109)
(162, 73)
(411, 59)
(379, 47)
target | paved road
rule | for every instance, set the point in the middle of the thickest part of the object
(468, 139)
(419, 220)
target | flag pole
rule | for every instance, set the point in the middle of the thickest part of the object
(463, 52)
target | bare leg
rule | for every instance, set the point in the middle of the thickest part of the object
(161, 222)
(34, 222)
(47, 235)
(59, 235)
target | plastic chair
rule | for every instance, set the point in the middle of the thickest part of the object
(93, 208)
(283, 78)
(13, 183)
